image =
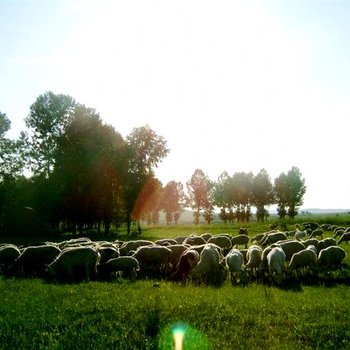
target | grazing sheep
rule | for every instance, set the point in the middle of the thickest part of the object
(240, 240)
(311, 225)
(273, 238)
(325, 243)
(199, 248)
(206, 236)
(194, 240)
(291, 247)
(127, 247)
(243, 231)
(209, 270)
(258, 238)
(275, 260)
(180, 239)
(33, 260)
(126, 265)
(75, 265)
(188, 260)
(234, 262)
(165, 242)
(331, 257)
(154, 260)
(176, 252)
(317, 233)
(299, 235)
(8, 254)
(264, 267)
(222, 241)
(254, 257)
(311, 241)
(344, 238)
(74, 242)
(304, 259)
(108, 253)
(338, 232)
(244, 253)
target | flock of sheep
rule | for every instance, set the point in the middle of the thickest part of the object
(209, 259)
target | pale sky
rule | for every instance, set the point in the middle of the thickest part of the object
(231, 85)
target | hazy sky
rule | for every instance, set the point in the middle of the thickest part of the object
(231, 85)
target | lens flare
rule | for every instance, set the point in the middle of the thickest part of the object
(181, 336)
(178, 334)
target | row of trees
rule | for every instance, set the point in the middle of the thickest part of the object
(80, 172)
(236, 195)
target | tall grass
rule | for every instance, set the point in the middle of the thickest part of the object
(142, 315)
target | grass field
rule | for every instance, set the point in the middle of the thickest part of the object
(140, 315)
(35, 314)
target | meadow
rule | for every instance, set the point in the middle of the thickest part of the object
(146, 314)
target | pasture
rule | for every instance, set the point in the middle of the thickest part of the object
(141, 315)
(145, 314)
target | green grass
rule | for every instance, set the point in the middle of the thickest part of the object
(143, 314)
(139, 315)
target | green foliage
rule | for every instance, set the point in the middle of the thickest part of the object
(140, 315)
(289, 191)
(199, 189)
(48, 117)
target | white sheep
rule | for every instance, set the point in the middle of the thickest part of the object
(254, 253)
(33, 260)
(258, 238)
(209, 269)
(276, 262)
(75, 264)
(176, 252)
(188, 260)
(126, 265)
(303, 260)
(206, 236)
(273, 237)
(129, 246)
(299, 235)
(154, 260)
(240, 240)
(311, 241)
(331, 257)
(222, 241)
(234, 262)
(291, 247)
(75, 242)
(165, 242)
(107, 253)
(345, 237)
(325, 243)
(194, 240)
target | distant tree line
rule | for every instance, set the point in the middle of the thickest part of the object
(70, 171)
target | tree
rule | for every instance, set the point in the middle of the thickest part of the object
(262, 194)
(289, 189)
(173, 201)
(221, 196)
(281, 194)
(297, 189)
(49, 115)
(242, 194)
(148, 202)
(199, 187)
(145, 149)
(89, 162)
(11, 162)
